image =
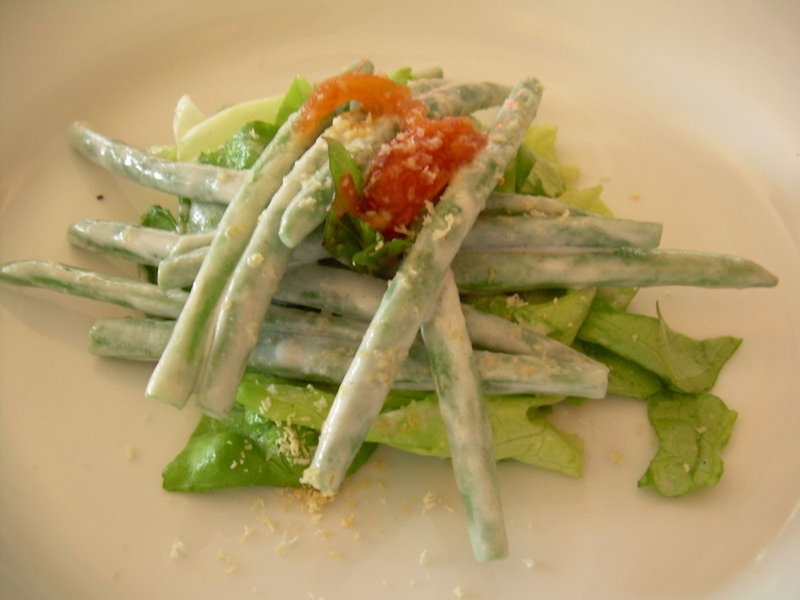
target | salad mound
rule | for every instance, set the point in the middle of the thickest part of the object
(363, 261)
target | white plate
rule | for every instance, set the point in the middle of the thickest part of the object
(686, 113)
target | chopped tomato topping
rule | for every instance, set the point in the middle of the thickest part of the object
(379, 96)
(411, 170)
(414, 168)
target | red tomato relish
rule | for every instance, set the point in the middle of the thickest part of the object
(409, 171)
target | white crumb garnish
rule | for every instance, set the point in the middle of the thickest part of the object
(248, 531)
(285, 542)
(514, 301)
(616, 457)
(255, 259)
(430, 501)
(449, 221)
(226, 558)
(177, 550)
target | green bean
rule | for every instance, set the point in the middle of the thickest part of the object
(204, 183)
(177, 371)
(129, 293)
(490, 232)
(523, 269)
(179, 257)
(309, 208)
(191, 241)
(249, 293)
(507, 203)
(324, 356)
(462, 99)
(412, 292)
(327, 289)
(495, 231)
(145, 245)
(469, 433)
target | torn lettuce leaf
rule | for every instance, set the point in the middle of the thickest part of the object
(243, 149)
(558, 314)
(239, 151)
(245, 449)
(402, 76)
(692, 430)
(625, 378)
(411, 422)
(297, 94)
(516, 177)
(686, 364)
(588, 199)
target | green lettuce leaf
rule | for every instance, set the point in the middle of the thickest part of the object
(548, 176)
(402, 76)
(588, 199)
(240, 151)
(245, 449)
(411, 422)
(295, 97)
(686, 364)
(558, 314)
(517, 173)
(625, 378)
(692, 430)
(243, 149)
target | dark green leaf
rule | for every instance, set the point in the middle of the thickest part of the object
(625, 378)
(349, 239)
(156, 217)
(159, 217)
(342, 165)
(687, 365)
(692, 430)
(244, 449)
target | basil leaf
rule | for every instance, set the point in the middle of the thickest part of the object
(159, 217)
(156, 217)
(349, 239)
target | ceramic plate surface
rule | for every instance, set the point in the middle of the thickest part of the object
(686, 113)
